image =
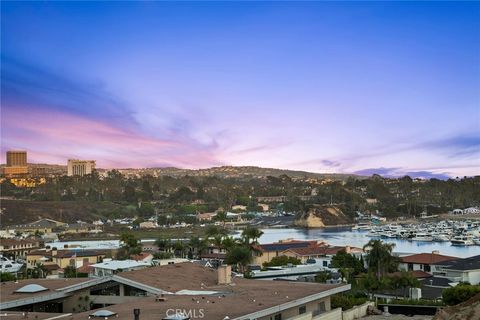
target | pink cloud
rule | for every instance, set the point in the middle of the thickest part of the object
(53, 137)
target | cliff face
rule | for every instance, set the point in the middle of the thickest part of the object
(321, 216)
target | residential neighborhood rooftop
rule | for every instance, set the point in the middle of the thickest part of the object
(470, 263)
(427, 258)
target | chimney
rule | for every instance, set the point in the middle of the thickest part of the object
(347, 249)
(224, 274)
(435, 252)
(136, 314)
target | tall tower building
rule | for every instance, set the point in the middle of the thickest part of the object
(16, 164)
(16, 158)
(77, 167)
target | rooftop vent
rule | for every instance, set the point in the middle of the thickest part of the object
(102, 314)
(31, 288)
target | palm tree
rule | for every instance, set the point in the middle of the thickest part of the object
(379, 258)
(250, 235)
(222, 216)
(39, 271)
(240, 256)
(198, 245)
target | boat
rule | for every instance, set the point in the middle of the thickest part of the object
(422, 237)
(361, 227)
(441, 237)
(7, 265)
(462, 240)
(476, 241)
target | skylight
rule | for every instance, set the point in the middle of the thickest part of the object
(31, 288)
(102, 314)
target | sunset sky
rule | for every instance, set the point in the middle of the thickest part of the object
(382, 87)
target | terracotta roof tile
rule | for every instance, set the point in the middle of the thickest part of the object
(427, 258)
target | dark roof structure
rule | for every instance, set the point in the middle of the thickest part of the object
(471, 263)
(282, 246)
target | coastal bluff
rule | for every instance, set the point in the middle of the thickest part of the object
(321, 216)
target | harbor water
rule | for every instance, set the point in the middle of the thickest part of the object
(334, 236)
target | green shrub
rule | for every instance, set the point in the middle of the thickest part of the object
(459, 293)
(346, 301)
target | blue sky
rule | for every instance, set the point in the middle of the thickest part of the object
(390, 87)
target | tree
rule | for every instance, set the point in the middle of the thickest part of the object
(345, 260)
(147, 190)
(379, 257)
(6, 276)
(239, 256)
(322, 276)
(130, 246)
(39, 271)
(404, 281)
(460, 293)
(197, 245)
(250, 235)
(222, 217)
(129, 194)
(69, 272)
(282, 261)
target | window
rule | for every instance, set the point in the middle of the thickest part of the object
(302, 309)
(426, 267)
(321, 307)
(278, 317)
(325, 263)
(410, 267)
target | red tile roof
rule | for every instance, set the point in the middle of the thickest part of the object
(427, 258)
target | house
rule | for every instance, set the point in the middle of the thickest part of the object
(18, 248)
(63, 258)
(462, 270)
(428, 262)
(208, 216)
(148, 225)
(265, 207)
(159, 291)
(82, 227)
(239, 207)
(266, 252)
(42, 225)
(319, 252)
(143, 256)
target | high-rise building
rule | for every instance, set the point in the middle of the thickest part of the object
(16, 158)
(16, 164)
(77, 167)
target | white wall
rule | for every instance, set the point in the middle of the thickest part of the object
(335, 314)
(473, 276)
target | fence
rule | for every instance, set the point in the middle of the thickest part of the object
(357, 311)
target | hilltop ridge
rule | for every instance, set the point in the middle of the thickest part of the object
(221, 171)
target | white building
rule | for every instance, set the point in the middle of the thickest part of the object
(80, 167)
(110, 267)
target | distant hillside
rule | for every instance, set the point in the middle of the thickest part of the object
(223, 172)
(24, 211)
(236, 172)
